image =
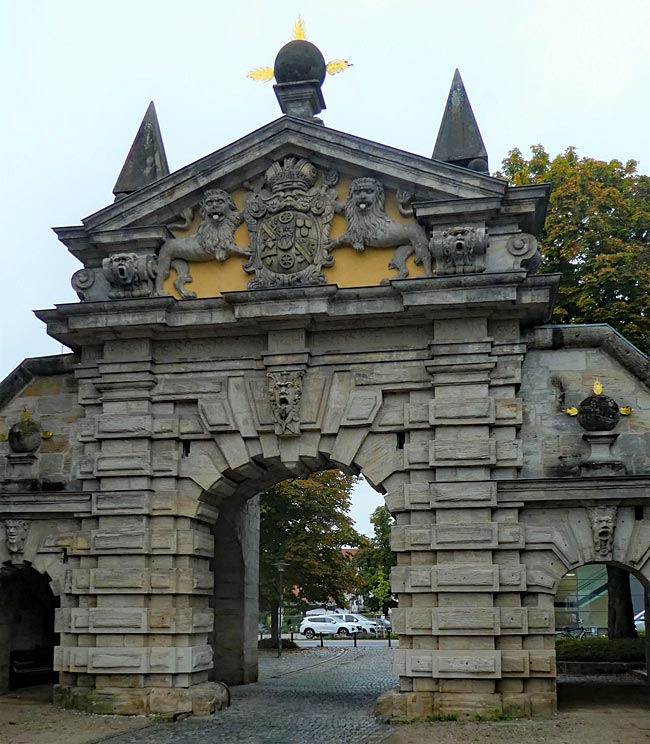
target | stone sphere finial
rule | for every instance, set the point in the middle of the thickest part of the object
(299, 61)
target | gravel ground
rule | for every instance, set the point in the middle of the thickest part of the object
(606, 709)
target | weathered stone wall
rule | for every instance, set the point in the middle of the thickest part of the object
(47, 389)
(559, 371)
(445, 391)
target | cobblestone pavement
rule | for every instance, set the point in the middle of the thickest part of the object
(313, 696)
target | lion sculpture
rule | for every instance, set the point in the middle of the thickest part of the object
(213, 239)
(370, 226)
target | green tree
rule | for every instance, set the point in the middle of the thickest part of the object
(375, 559)
(597, 236)
(306, 522)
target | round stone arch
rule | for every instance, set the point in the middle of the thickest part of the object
(229, 507)
(30, 601)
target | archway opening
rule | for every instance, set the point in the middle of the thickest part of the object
(307, 529)
(27, 636)
(601, 645)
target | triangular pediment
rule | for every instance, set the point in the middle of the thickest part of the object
(230, 167)
(284, 216)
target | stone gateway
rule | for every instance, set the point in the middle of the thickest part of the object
(133, 492)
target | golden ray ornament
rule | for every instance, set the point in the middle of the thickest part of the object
(607, 406)
(266, 74)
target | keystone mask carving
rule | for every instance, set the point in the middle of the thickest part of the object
(603, 524)
(129, 275)
(370, 227)
(288, 220)
(16, 534)
(214, 239)
(459, 250)
(285, 394)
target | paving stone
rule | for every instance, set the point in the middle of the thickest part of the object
(311, 696)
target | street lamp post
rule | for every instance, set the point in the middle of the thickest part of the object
(280, 565)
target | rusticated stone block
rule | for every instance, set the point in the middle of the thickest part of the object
(448, 577)
(456, 452)
(201, 699)
(450, 664)
(461, 411)
(133, 660)
(142, 581)
(458, 536)
(469, 704)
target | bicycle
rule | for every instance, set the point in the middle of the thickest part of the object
(572, 631)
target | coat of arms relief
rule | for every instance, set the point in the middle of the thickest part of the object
(288, 212)
(288, 220)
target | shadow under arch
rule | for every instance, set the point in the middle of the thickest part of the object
(235, 565)
(27, 626)
(582, 602)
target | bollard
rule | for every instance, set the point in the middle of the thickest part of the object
(292, 635)
(389, 645)
(321, 640)
(355, 639)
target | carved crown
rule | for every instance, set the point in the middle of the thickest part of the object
(293, 174)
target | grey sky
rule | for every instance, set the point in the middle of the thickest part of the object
(78, 76)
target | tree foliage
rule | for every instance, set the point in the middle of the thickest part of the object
(306, 522)
(597, 235)
(375, 559)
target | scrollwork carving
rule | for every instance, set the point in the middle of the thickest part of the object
(214, 239)
(370, 227)
(525, 248)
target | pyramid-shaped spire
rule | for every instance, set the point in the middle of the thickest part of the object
(146, 161)
(459, 139)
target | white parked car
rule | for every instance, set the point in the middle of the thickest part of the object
(639, 620)
(327, 625)
(367, 626)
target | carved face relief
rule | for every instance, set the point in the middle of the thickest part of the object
(16, 533)
(129, 275)
(216, 205)
(366, 194)
(603, 524)
(460, 250)
(285, 394)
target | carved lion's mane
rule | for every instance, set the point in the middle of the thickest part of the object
(216, 238)
(213, 239)
(374, 220)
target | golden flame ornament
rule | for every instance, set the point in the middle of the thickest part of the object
(266, 74)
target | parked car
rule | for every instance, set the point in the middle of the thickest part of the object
(367, 626)
(327, 625)
(385, 624)
(639, 620)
